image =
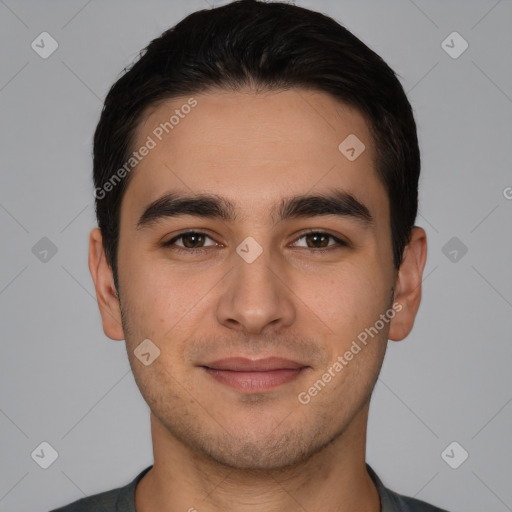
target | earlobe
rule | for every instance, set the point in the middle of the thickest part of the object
(408, 285)
(106, 295)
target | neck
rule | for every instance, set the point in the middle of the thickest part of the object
(333, 479)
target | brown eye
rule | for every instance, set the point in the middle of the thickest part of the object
(190, 240)
(318, 240)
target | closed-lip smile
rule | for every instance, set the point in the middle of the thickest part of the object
(254, 375)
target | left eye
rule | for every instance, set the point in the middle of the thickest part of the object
(319, 240)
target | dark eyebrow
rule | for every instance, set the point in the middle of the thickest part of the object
(337, 202)
(201, 205)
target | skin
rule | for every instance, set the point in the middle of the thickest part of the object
(217, 448)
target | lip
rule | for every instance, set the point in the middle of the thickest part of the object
(250, 375)
(244, 364)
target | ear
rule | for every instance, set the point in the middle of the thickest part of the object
(106, 295)
(408, 285)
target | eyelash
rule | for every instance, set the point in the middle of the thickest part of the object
(171, 243)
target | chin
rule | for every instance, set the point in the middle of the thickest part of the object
(276, 452)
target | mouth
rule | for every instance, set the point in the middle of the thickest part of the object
(248, 375)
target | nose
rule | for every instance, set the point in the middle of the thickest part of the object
(256, 297)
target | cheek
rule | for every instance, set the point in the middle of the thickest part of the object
(350, 297)
(163, 303)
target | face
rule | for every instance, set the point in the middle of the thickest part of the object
(254, 254)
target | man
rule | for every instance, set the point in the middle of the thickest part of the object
(256, 177)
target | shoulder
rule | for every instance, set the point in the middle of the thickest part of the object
(406, 504)
(115, 500)
(393, 502)
(102, 502)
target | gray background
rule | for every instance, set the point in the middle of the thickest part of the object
(64, 382)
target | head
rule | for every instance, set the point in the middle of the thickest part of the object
(287, 150)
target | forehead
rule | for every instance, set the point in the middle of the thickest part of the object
(254, 148)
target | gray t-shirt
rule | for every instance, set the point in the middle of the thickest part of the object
(122, 499)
